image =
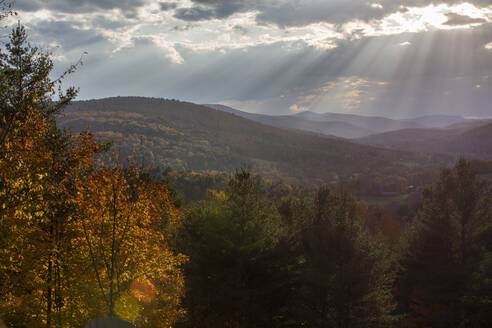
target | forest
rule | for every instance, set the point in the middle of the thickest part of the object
(85, 234)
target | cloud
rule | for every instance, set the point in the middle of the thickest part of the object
(194, 14)
(76, 6)
(165, 6)
(292, 12)
(299, 13)
(226, 8)
(325, 55)
(296, 13)
(240, 29)
(71, 39)
(167, 48)
(213, 9)
(182, 28)
(297, 109)
(282, 13)
(371, 76)
(459, 20)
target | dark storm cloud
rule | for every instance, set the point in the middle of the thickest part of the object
(457, 20)
(76, 6)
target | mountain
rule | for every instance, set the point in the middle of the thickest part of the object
(185, 135)
(469, 124)
(471, 139)
(347, 126)
(436, 121)
(292, 122)
(373, 123)
(384, 124)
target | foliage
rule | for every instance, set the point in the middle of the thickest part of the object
(232, 239)
(36, 160)
(254, 263)
(45, 273)
(446, 257)
(346, 272)
(126, 232)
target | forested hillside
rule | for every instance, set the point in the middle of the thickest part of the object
(471, 139)
(185, 135)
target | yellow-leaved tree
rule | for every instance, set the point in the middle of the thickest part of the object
(126, 228)
(34, 157)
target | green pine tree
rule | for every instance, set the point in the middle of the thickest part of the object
(347, 271)
(233, 239)
(445, 257)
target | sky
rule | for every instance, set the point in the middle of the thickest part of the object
(394, 58)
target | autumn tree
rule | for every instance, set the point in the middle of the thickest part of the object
(125, 231)
(35, 160)
(53, 223)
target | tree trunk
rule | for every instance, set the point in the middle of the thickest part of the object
(49, 295)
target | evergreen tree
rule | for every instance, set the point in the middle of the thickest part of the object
(445, 258)
(26, 86)
(232, 239)
(347, 271)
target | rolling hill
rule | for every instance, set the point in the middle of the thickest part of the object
(472, 139)
(185, 135)
(292, 122)
(384, 124)
(372, 123)
(347, 126)
(436, 121)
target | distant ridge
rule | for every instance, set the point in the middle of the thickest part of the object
(384, 124)
(472, 139)
(292, 122)
(349, 126)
